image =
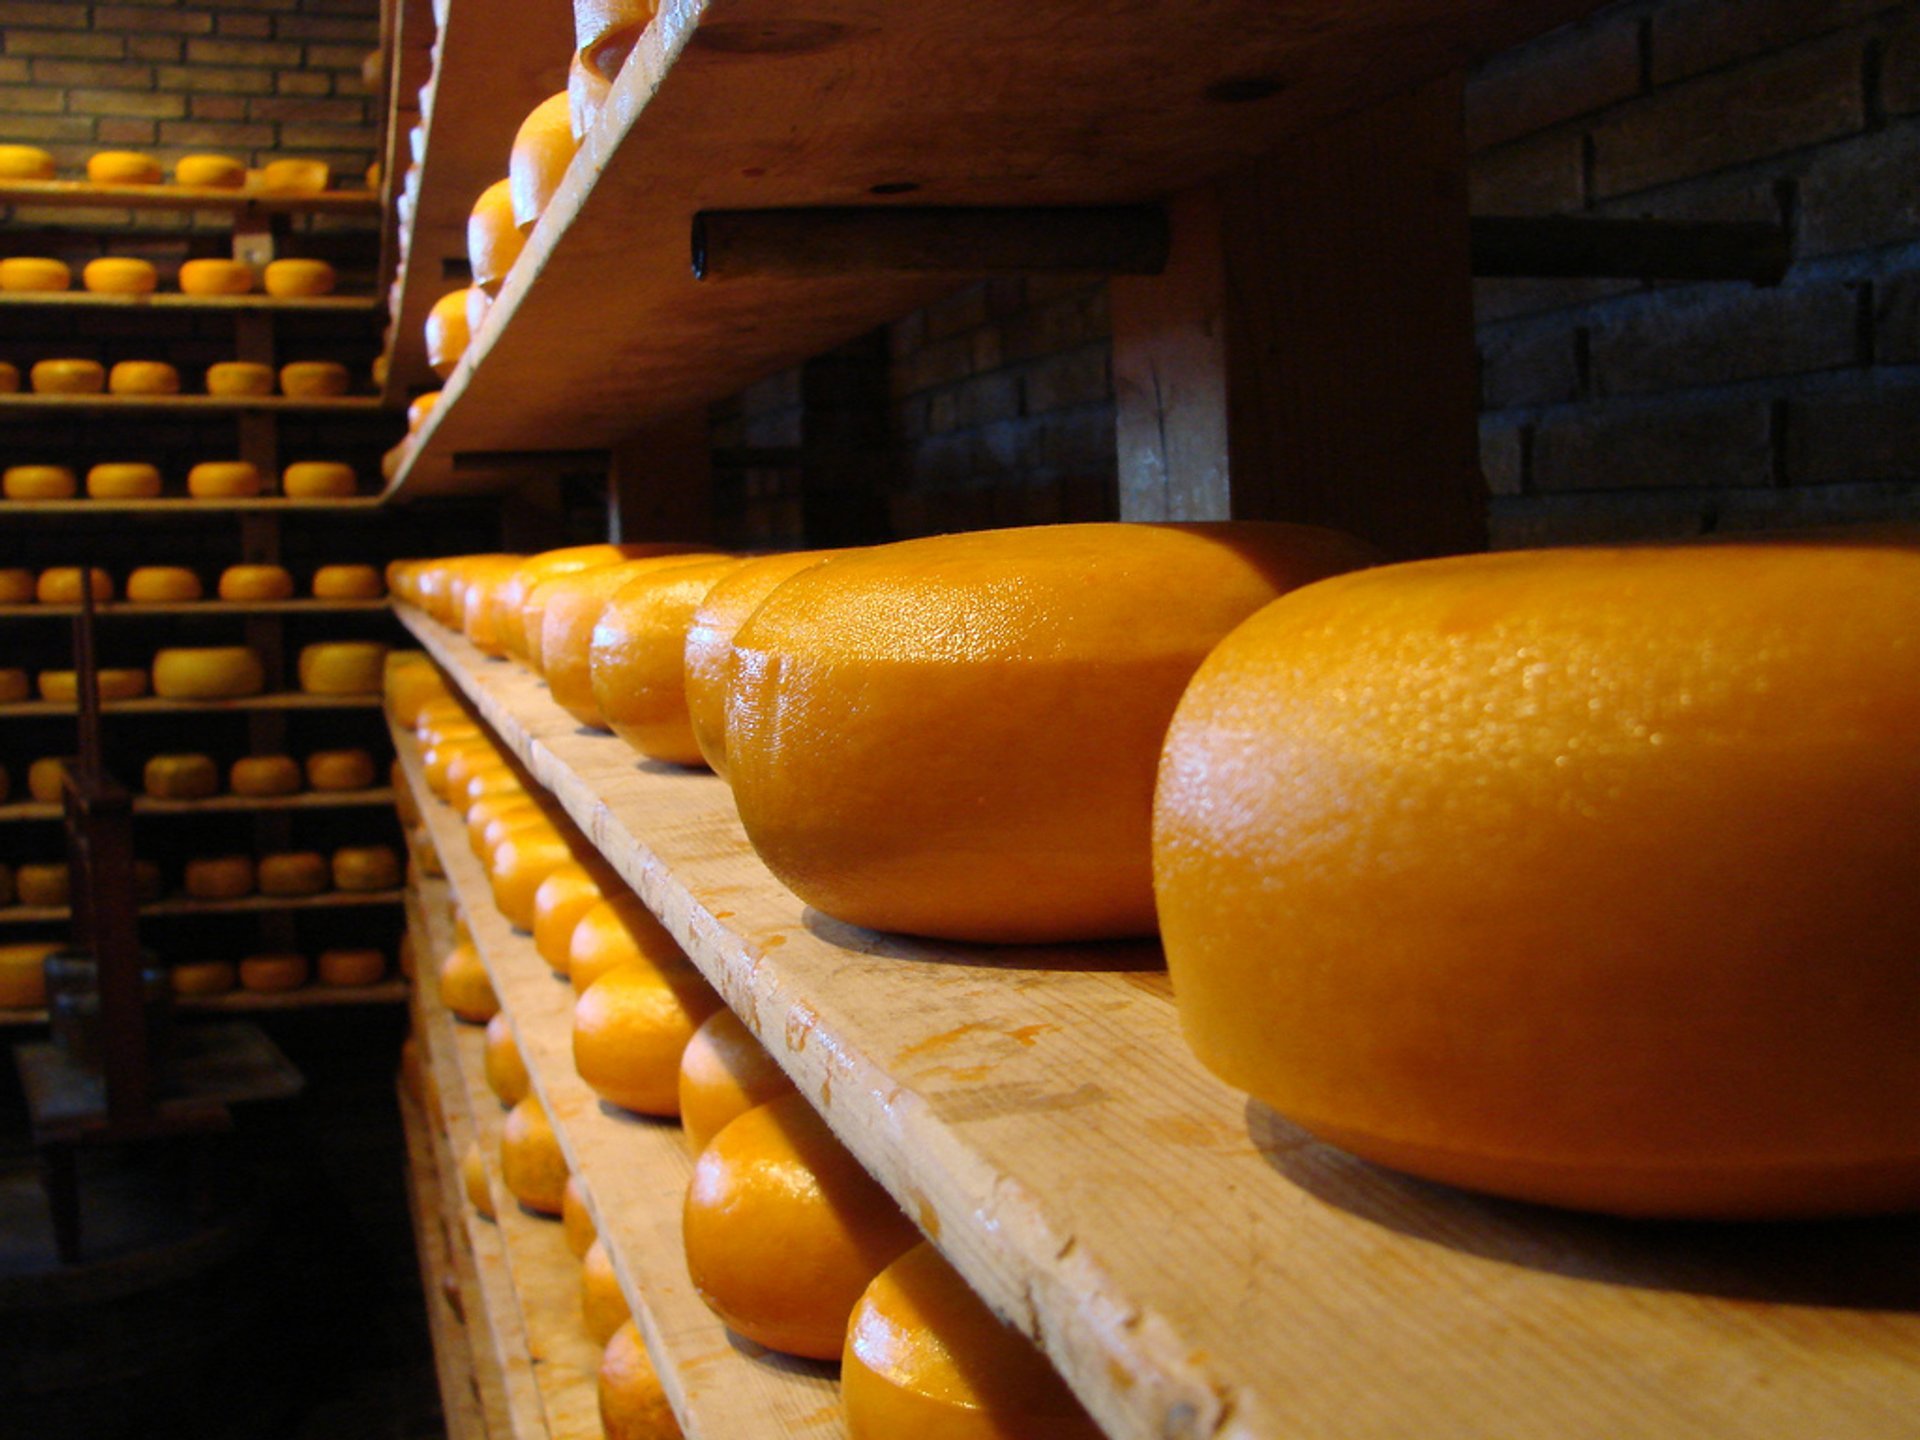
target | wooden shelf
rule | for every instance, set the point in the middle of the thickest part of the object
(182, 505)
(246, 905)
(121, 608)
(27, 810)
(23, 404)
(1193, 1263)
(635, 1171)
(87, 300)
(152, 705)
(308, 997)
(185, 197)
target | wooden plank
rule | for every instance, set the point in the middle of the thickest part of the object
(182, 505)
(1195, 1265)
(31, 810)
(244, 905)
(87, 300)
(635, 1172)
(310, 997)
(153, 705)
(185, 197)
(28, 404)
(208, 606)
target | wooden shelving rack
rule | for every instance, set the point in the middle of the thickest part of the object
(176, 906)
(244, 1002)
(29, 810)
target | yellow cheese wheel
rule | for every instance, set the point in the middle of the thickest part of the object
(494, 241)
(162, 585)
(126, 480)
(46, 779)
(9, 376)
(542, 149)
(63, 686)
(520, 864)
(343, 968)
(380, 369)
(61, 585)
(181, 777)
(313, 379)
(120, 275)
(465, 988)
(203, 977)
(510, 599)
(410, 681)
(419, 409)
(531, 1161)
(236, 379)
(633, 1403)
(26, 162)
(1580, 876)
(223, 480)
(569, 607)
(264, 775)
(35, 274)
(143, 377)
(340, 770)
(23, 974)
(209, 172)
(68, 377)
(505, 1070)
(15, 685)
(566, 895)
(475, 1180)
(294, 872)
(216, 277)
(38, 482)
(348, 582)
(123, 167)
(724, 1072)
(343, 667)
(276, 972)
(478, 586)
(637, 659)
(318, 480)
(708, 657)
(447, 332)
(294, 177)
(297, 279)
(366, 867)
(42, 884)
(214, 672)
(602, 1306)
(16, 586)
(256, 582)
(604, 32)
(630, 1028)
(220, 877)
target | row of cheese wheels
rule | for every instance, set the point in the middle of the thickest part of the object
(774, 1194)
(23, 983)
(1581, 800)
(208, 480)
(195, 776)
(202, 172)
(288, 279)
(282, 875)
(213, 672)
(226, 379)
(176, 584)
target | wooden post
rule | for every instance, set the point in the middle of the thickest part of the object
(1308, 354)
(659, 482)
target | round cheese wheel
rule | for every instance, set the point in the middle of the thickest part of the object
(633, 1403)
(318, 480)
(506, 1071)
(708, 656)
(203, 977)
(618, 932)
(42, 884)
(256, 582)
(604, 32)
(143, 377)
(209, 172)
(313, 379)
(629, 1030)
(724, 1072)
(494, 241)
(216, 277)
(220, 877)
(223, 480)
(23, 974)
(380, 369)
(562, 899)
(46, 779)
(569, 607)
(123, 167)
(602, 1306)
(345, 968)
(294, 177)
(637, 659)
(181, 777)
(340, 770)
(260, 776)
(120, 275)
(293, 872)
(475, 1180)
(410, 681)
(419, 408)
(127, 480)
(1579, 876)
(576, 1220)
(343, 667)
(499, 805)
(63, 686)
(238, 379)
(464, 986)
(478, 587)
(478, 303)
(68, 377)
(958, 736)
(60, 585)
(34, 274)
(16, 586)
(520, 863)
(26, 162)
(366, 867)
(373, 171)
(510, 599)
(542, 149)
(447, 332)
(348, 582)
(9, 376)
(273, 973)
(531, 1161)
(162, 585)
(213, 672)
(298, 279)
(15, 685)
(38, 482)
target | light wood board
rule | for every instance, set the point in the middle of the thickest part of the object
(153, 705)
(25, 810)
(27, 404)
(1195, 1265)
(183, 505)
(208, 606)
(242, 905)
(184, 197)
(308, 997)
(87, 300)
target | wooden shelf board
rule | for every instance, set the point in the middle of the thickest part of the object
(1194, 1264)
(87, 300)
(308, 997)
(192, 404)
(153, 705)
(185, 197)
(25, 810)
(182, 505)
(635, 1172)
(120, 608)
(245, 905)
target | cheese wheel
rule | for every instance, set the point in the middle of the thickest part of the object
(120, 275)
(35, 274)
(356, 967)
(180, 777)
(318, 480)
(479, 302)
(958, 736)
(273, 973)
(26, 162)
(1581, 903)
(510, 599)
(16, 586)
(708, 656)
(519, 865)
(380, 369)
(68, 377)
(260, 776)
(314, 379)
(340, 770)
(506, 1072)
(463, 573)
(342, 667)
(499, 805)
(203, 977)
(143, 377)
(294, 177)
(46, 779)
(213, 672)
(724, 1072)
(43, 884)
(63, 686)
(447, 332)
(475, 1180)
(127, 480)
(9, 376)
(569, 608)
(531, 1162)
(299, 279)
(419, 408)
(366, 867)
(223, 480)
(348, 582)
(587, 92)
(209, 172)
(216, 277)
(256, 582)
(464, 986)
(542, 149)
(293, 872)
(494, 241)
(123, 167)
(563, 898)
(602, 1306)
(237, 379)
(60, 585)
(637, 659)
(409, 681)
(481, 584)
(629, 1029)
(38, 482)
(620, 931)
(220, 877)
(633, 1403)
(604, 32)
(163, 585)
(23, 974)
(15, 685)
(576, 1223)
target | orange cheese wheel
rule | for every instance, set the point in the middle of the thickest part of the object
(60, 585)
(464, 572)
(708, 655)
(235, 379)
(506, 1072)
(256, 582)
(576, 1220)
(314, 379)
(340, 770)
(514, 824)
(351, 968)
(216, 277)
(475, 1180)
(214, 672)
(38, 482)
(602, 1306)
(223, 480)
(123, 167)
(318, 480)
(26, 162)
(294, 177)
(507, 807)
(724, 1072)
(343, 667)
(479, 302)
(633, 1403)
(220, 877)
(478, 614)
(16, 586)
(447, 332)
(180, 777)
(23, 974)
(63, 686)
(143, 377)
(436, 757)
(419, 409)
(42, 885)
(519, 865)
(68, 377)
(366, 867)
(570, 607)
(34, 274)
(562, 899)
(120, 275)
(293, 872)
(494, 240)
(299, 279)
(465, 988)
(15, 685)
(637, 659)
(275, 972)
(261, 776)
(203, 977)
(531, 1163)
(127, 480)
(9, 377)
(209, 172)
(542, 149)
(510, 599)
(46, 779)
(630, 1028)
(620, 931)
(409, 682)
(604, 32)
